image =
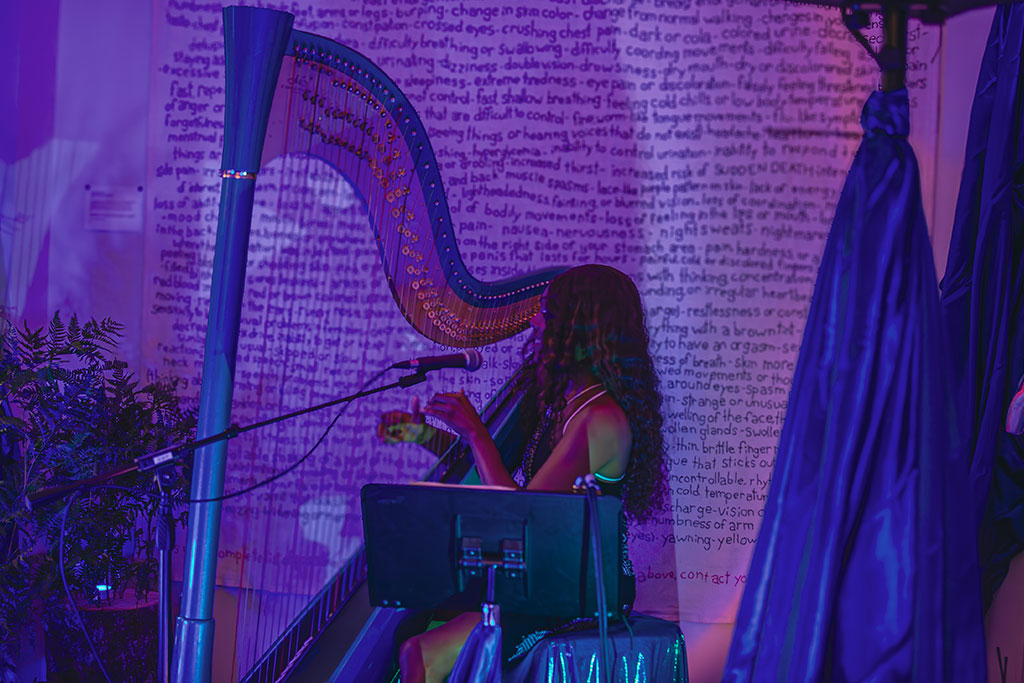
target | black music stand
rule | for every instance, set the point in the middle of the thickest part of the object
(436, 545)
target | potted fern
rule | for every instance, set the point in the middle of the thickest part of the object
(72, 411)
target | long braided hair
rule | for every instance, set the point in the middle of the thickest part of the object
(595, 318)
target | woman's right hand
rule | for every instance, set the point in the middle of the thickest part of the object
(397, 426)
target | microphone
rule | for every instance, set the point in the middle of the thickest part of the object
(470, 359)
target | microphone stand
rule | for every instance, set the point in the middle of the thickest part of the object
(891, 58)
(162, 464)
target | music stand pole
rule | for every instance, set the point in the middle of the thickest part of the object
(490, 609)
(430, 545)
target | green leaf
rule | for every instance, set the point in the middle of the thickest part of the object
(78, 411)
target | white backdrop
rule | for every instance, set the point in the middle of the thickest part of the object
(698, 146)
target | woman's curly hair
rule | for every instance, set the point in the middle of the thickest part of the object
(594, 317)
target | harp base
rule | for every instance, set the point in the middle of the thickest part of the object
(195, 662)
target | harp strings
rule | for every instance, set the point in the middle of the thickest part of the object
(377, 144)
(272, 592)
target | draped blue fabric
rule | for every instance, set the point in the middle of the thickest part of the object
(982, 295)
(480, 658)
(865, 568)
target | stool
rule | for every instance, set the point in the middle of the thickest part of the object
(657, 653)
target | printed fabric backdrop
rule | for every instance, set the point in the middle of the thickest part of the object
(697, 145)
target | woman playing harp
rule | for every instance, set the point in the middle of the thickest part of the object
(588, 370)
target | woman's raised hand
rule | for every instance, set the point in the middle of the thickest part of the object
(457, 412)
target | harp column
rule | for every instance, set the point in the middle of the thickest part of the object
(254, 45)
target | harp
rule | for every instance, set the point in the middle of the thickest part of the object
(324, 100)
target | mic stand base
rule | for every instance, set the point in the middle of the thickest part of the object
(192, 664)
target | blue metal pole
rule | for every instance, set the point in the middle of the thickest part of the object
(254, 44)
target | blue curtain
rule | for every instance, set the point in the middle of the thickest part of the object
(865, 568)
(981, 296)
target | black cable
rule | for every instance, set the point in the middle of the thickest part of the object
(854, 20)
(274, 477)
(625, 620)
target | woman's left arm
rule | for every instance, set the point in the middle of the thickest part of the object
(599, 438)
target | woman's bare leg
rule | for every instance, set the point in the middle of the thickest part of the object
(429, 657)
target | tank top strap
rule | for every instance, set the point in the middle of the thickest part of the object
(582, 406)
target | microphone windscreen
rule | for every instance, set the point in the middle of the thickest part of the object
(473, 359)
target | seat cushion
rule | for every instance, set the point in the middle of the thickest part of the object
(655, 651)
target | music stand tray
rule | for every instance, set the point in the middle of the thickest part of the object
(429, 546)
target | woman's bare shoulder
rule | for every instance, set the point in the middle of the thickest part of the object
(604, 418)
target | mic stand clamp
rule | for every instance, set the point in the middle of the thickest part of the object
(412, 380)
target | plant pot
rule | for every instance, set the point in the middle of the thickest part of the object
(124, 634)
